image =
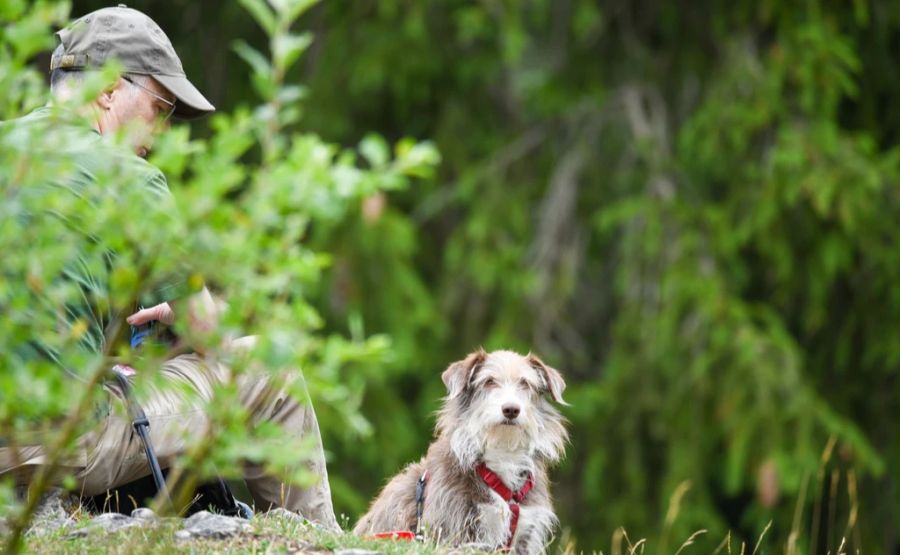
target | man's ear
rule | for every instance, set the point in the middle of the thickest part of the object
(105, 98)
(553, 380)
(459, 375)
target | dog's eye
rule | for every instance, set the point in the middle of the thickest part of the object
(490, 382)
(523, 384)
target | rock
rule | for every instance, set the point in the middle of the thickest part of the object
(208, 525)
(287, 515)
(53, 512)
(144, 513)
(107, 522)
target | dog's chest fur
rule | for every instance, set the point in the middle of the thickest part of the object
(513, 467)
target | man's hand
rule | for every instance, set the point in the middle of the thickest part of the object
(162, 312)
(202, 317)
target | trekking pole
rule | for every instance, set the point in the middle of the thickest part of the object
(139, 420)
(141, 426)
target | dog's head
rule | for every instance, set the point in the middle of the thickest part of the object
(503, 399)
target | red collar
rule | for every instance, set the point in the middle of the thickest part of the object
(494, 482)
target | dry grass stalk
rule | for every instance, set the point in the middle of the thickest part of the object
(852, 518)
(690, 540)
(761, 536)
(618, 536)
(832, 505)
(794, 535)
(641, 543)
(726, 542)
(672, 513)
(820, 481)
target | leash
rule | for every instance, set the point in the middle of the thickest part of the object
(420, 503)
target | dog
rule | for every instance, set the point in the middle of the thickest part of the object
(483, 480)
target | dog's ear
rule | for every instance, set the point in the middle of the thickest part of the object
(459, 374)
(553, 380)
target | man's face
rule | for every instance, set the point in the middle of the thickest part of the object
(139, 107)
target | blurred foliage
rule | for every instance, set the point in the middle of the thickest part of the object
(689, 209)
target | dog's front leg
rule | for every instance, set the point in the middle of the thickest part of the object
(493, 523)
(536, 525)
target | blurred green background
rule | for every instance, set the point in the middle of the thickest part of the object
(689, 208)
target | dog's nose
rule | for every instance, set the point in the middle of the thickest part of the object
(510, 411)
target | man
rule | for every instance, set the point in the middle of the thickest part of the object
(152, 88)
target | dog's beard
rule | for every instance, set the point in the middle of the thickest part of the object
(507, 437)
(476, 433)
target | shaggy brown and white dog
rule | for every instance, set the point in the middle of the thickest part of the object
(486, 472)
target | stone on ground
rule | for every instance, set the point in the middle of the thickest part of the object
(286, 514)
(144, 513)
(208, 525)
(107, 522)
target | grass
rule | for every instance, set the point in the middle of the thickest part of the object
(278, 534)
(269, 534)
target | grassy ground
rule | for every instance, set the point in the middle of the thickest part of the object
(270, 534)
(277, 534)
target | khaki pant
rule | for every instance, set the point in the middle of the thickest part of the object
(113, 455)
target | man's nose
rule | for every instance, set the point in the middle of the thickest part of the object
(511, 411)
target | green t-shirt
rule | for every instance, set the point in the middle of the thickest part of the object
(78, 171)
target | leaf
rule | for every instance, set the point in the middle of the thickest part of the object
(262, 78)
(287, 48)
(253, 57)
(290, 94)
(261, 13)
(416, 159)
(10, 10)
(375, 150)
(289, 10)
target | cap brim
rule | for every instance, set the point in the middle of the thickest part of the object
(191, 104)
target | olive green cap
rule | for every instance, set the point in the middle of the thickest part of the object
(138, 43)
